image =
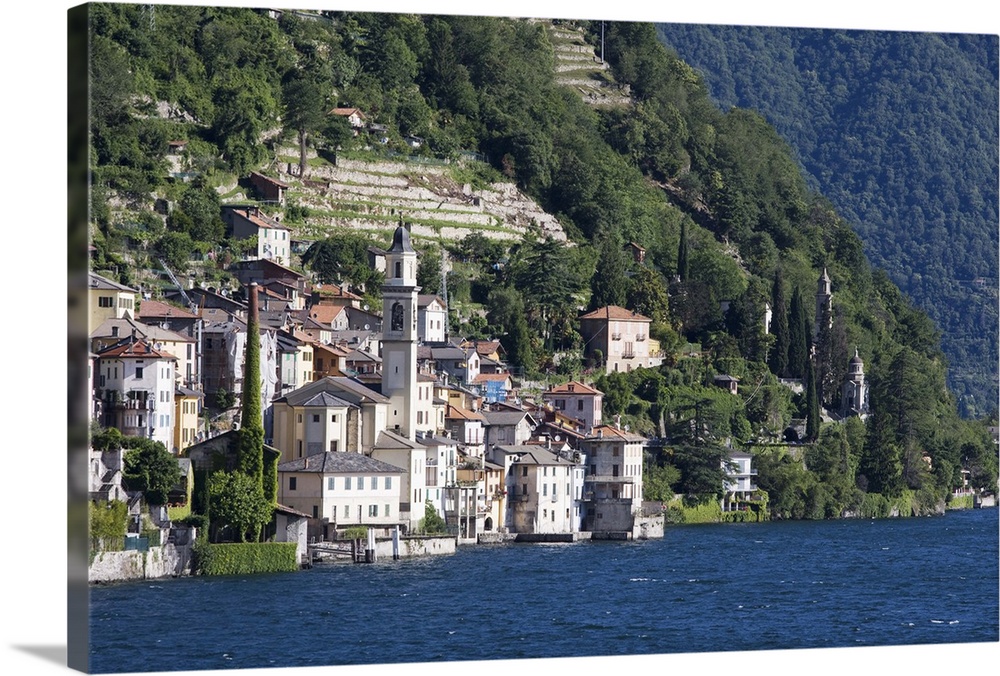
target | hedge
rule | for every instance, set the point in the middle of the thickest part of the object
(244, 558)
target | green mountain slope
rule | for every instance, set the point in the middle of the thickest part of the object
(899, 131)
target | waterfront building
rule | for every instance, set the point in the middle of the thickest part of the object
(344, 489)
(613, 480)
(135, 385)
(397, 450)
(543, 489)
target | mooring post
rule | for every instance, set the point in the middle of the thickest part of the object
(395, 543)
(370, 547)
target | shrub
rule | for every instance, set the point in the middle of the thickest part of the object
(108, 523)
(244, 558)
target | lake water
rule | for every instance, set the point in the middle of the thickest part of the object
(701, 588)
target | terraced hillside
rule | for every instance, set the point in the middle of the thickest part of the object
(578, 66)
(373, 196)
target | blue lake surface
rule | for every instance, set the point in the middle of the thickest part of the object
(701, 588)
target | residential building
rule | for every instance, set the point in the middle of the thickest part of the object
(343, 489)
(136, 385)
(273, 239)
(269, 189)
(432, 319)
(467, 428)
(577, 400)
(613, 480)
(541, 489)
(411, 455)
(295, 361)
(224, 351)
(108, 300)
(461, 364)
(621, 336)
(328, 415)
(187, 409)
(494, 387)
(508, 427)
(184, 348)
(739, 483)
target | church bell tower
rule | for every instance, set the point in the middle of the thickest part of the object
(399, 334)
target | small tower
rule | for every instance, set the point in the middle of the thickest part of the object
(399, 334)
(854, 392)
(824, 303)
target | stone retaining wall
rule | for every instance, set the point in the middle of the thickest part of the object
(164, 561)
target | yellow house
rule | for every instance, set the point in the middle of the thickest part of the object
(187, 406)
(108, 300)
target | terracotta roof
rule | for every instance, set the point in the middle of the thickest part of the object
(325, 314)
(494, 377)
(615, 312)
(259, 221)
(333, 291)
(347, 112)
(457, 412)
(138, 349)
(572, 387)
(610, 431)
(158, 309)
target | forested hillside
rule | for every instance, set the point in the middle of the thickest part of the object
(716, 199)
(899, 131)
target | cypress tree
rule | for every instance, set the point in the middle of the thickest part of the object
(812, 404)
(609, 286)
(798, 337)
(251, 433)
(778, 359)
(683, 270)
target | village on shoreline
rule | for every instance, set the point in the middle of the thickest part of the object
(388, 441)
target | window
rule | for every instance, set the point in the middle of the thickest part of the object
(372, 510)
(105, 301)
(330, 483)
(524, 470)
(333, 418)
(334, 514)
(291, 483)
(399, 269)
(545, 513)
(315, 512)
(138, 372)
(524, 489)
(347, 482)
(579, 404)
(374, 483)
(388, 482)
(545, 489)
(386, 513)
(316, 417)
(300, 420)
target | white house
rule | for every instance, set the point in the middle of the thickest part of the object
(136, 385)
(432, 319)
(739, 481)
(397, 450)
(542, 489)
(345, 489)
(273, 239)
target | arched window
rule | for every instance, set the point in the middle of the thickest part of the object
(397, 316)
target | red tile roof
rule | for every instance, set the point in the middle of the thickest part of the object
(614, 312)
(577, 388)
(138, 349)
(462, 413)
(155, 308)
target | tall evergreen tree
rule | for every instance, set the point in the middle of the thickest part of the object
(683, 267)
(812, 404)
(251, 432)
(798, 337)
(778, 358)
(609, 286)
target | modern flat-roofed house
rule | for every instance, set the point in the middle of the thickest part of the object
(108, 300)
(344, 489)
(273, 239)
(577, 400)
(739, 483)
(622, 336)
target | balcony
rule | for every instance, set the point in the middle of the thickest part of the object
(616, 336)
(608, 479)
(628, 354)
